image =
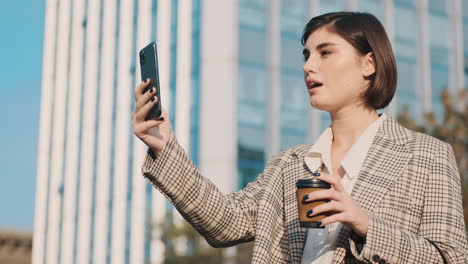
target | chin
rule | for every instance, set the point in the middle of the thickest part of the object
(317, 104)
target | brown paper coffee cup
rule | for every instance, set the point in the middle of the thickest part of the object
(306, 186)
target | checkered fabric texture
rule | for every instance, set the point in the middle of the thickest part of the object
(409, 185)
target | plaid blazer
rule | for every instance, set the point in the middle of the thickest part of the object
(409, 185)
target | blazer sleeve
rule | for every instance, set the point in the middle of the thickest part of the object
(223, 220)
(442, 222)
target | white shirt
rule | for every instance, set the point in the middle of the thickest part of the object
(321, 243)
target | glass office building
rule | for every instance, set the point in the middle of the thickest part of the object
(232, 82)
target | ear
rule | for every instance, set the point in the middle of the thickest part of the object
(368, 64)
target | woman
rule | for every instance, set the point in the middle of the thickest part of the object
(395, 194)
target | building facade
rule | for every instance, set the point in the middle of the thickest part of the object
(232, 83)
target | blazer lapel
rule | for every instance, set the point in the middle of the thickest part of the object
(384, 163)
(295, 169)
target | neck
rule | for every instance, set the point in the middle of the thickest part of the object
(348, 125)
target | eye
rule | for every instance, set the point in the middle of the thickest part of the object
(324, 53)
(306, 54)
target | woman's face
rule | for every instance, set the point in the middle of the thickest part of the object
(334, 71)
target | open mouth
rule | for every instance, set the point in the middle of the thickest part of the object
(315, 85)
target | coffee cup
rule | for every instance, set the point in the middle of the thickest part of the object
(306, 186)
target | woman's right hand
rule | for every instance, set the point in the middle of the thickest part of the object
(154, 133)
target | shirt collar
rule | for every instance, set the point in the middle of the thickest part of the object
(320, 152)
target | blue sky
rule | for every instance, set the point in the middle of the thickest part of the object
(21, 27)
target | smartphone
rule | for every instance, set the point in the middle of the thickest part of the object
(149, 69)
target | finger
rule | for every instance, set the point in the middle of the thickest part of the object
(323, 194)
(141, 87)
(340, 217)
(334, 181)
(144, 126)
(142, 100)
(144, 110)
(327, 207)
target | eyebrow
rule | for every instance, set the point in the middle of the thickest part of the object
(320, 46)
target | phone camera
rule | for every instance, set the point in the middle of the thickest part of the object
(142, 59)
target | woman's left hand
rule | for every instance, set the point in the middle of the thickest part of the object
(345, 209)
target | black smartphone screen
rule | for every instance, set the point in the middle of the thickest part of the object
(149, 69)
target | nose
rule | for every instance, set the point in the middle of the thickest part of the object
(309, 66)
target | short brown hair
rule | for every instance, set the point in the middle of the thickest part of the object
(366, 34)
